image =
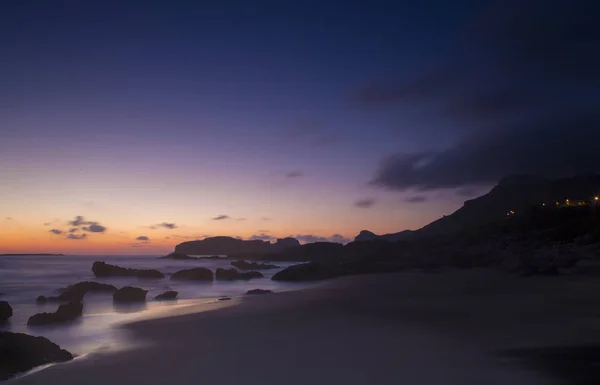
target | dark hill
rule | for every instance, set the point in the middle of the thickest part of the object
(229, 246)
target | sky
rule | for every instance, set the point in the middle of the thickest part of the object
(127, 127)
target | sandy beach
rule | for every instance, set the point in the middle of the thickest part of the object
(450, 327)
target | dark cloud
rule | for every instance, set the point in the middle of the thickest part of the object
(77, 237)
(73, 229)
(142, 238)
(90, 226)
(55, 231)
(240, 219)
(94, 228)
(309, 238)
(165, 225)
(522, 90)
(47, 223)
(294, 174)
(365, 203)
(8, 218)
(312, 132)
(220, 217)
(262, 237)
(416, 199)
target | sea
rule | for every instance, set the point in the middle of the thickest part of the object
(24, 278)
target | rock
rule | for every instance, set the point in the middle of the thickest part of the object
(196, 274)
(75, 293)
(5, 311)
(233, 274)
(258, 291)
(243, 265)
(211, 257)
(102, 269)
(21, 352)
(130, 294)
(65, 313)
(178, 256)
(167, 295)
(306, 272)
(224, 299)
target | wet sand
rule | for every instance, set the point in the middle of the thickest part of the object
(451, 327)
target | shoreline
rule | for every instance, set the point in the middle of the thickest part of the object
(390, 327)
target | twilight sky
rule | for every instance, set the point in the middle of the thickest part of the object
(128, 127)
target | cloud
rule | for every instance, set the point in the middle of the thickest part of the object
(240, 219)
(8, 218)
(220, 217)
(73, 229)
(521, 89)
(263, 231)
(261, 237)
(47, 223)
(365, 203)
(167, 237)
(166, 225)
(294, 174)
(309, 238)
(77, 237)
(94, 228)
(266, 219)
(90, 226)
(142, 238)
(55, 231)
(416, 199)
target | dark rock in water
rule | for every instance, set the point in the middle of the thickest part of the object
(233, 274)
(224, 299)
(243, 265)
(130, 294)
(196, 274)
(178, 256)
(306, 272)
(5, 311)
(102, 269)
(65, 313)
(167, 295)
(75, 293)
(231, 246)
(258, 291)
(21, 352)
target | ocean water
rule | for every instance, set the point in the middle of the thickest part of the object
(24, 278)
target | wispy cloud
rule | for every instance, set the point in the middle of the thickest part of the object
(55, 231)
(165, 225)
(220, 217)
(416, 199)
(266, 219)
(77, 237)
(364, 203)
(294, 174)
(240, 219)
(142, 238)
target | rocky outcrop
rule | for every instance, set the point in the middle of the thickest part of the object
(167, 295)
(21, 352)
(233, 274)
(178, 256)
(224, 299)
(196, 274)
(65, 313)
(243, 265)
(5, 311)
(258, 292)
(231, 246)
(366, 235)
(130, 294)
(75, 292)
(306, 272)
(212, 257)
(102, 269)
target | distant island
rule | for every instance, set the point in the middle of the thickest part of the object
(31, 255)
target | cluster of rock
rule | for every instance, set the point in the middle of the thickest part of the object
(233, 274)
(21, 352)
(65, 313)
(243, 265)
(102, 269)
(77, 291)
